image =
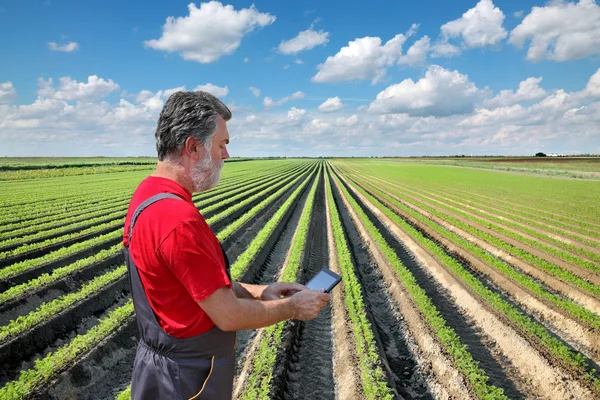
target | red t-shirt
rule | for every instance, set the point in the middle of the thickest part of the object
(178, 257)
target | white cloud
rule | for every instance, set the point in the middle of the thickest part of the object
(269, 103)
(560, 31)
(209, 32)
(350, 121)
(440, 93)
(296, 114)
(331, 104)
(246, 59)
(417, 53)
(444, 49)
(305, 40)
(593, 85)
(363, 58)
(519, 14)
(298, 61)
(286, 67)
(67, 48)
(255, 91)
(213, 89)
(529, 89)
(71, 90)
(7, 92)
(478, 27)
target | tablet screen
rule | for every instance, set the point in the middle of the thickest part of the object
(321, 281)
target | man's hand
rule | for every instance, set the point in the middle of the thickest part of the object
(308, 303)
(280, 290)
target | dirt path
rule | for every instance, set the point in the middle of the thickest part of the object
(539, 379)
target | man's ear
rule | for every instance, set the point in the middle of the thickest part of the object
(192, 148)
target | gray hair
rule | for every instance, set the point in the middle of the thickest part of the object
(188, 114)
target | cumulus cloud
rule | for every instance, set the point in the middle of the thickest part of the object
(363, 58)
(417, 53)
(332, 104)
(439, 93)
(444, 49)
(270, 103)
(7, 92)
(255, 91)
(305, 40)
(296, 114)
(71, 90)
(209, 32)
(478, 27)
(213, 89)
(528, 90)
(560, 31)
(67, 48)
(593, 86)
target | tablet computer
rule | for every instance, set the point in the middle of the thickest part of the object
(325, 279)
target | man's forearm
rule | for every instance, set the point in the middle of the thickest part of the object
(258, 314)
(247, 291)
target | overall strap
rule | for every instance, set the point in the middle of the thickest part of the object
(143, 206)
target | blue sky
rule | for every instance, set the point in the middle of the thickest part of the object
(304, 78)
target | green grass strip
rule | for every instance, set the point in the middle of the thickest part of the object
(22, 290)
(65, 356)
(50, 309)
(447, 336)
(573, 308)
(258, 383)
(531, 328)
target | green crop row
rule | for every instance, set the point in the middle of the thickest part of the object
(447, 336)
(519, 222)
(373, 379)
(532, 329)
(13, 229)
(244, 259)
(532, 213)
(47, 310)
(269, 184)
(542, 264)
(497, 226)
(91, 223)
(24, 289)
(40, 245)
(258, 383)
(234, 225)
(27, 265)
(65, 356)
(571, 307)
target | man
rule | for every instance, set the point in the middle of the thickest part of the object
(187, 307)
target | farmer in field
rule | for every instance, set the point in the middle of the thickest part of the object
(187, 307)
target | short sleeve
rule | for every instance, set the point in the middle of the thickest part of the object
(190, 253)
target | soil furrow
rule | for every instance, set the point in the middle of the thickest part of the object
(467, 330)
(309, 370)
(58, 327)
(529, 371)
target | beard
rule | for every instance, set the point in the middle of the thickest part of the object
(206, 174)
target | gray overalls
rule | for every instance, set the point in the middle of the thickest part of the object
(165, 367)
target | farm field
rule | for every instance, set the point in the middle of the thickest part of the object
(457, 282)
